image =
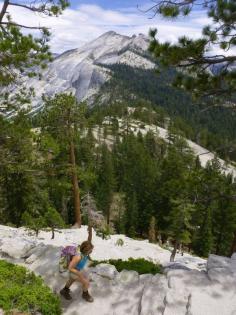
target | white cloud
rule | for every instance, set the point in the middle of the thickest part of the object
(77, 26)
(96, 14)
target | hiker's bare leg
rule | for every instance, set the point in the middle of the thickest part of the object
(85, 286)
(66, 290)
(69, 283)
(84, 282)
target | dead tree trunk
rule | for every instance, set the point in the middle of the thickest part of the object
(90, 233)
(64, 210)
(172, 256)
(53, 233)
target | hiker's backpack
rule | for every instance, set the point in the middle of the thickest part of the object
(66, 255)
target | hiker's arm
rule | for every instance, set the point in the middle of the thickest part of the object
(75, 260)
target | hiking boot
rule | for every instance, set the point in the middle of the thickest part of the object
(86, 296)
(65, 292)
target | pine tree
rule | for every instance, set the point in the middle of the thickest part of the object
(62, 118)
(33, 222)
(224, 217)
(192, 54)
(49, 218)
(23, 53)
(88, 163)
(20, 187)
(131, 215)
(105, 182)
(53, 220)
(180, 223)
(204, 240)
(118, 209)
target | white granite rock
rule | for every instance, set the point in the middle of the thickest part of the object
(16, 247)
(215, 261)
(145, 278)
(153, 297)
(106, 270)
(233, 256)
(127, 299)
(233, 264)
(178, 292)
(127, 277)
(35, 252)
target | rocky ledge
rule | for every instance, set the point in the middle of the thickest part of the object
(176, 292)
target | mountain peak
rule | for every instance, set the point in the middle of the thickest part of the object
(106, 41)
(109, 33)
(85, 68)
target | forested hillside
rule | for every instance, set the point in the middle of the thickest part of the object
(142, 185)
(212, 127)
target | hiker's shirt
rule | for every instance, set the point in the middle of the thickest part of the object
(81, 264)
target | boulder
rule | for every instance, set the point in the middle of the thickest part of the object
(176, 303)
(127, 277)
(223, 276)
(16, 247)
(106, 270)
(233, 264)
(146, 278)
(127, 296)
(222, 270)
(175, 266)
(47, 265)
(233, 257)
(35, 252)
(179, 291)
(153, 297)
(215, 261)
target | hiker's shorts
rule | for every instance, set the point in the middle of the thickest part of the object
(72, 275)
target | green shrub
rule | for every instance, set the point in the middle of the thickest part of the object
(140, 265)
(119, 242)
(24, 291)
(104, 233)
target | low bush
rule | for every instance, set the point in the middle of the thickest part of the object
(141, 265)
(104, 233)
(24, 291)
(119, 242)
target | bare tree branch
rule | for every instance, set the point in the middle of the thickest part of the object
(24, 26)
(31, 8)
(4, 10)
(207, 60)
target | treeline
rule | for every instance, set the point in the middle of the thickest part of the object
(144, 186)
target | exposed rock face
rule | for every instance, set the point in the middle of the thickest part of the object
(16, 247)
(211, 291)
(106, 271)
(177, 292)
(84, 70)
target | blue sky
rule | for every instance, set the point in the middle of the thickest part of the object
(85, 20)
(111, 4)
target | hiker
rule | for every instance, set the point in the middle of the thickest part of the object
(75, 268)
